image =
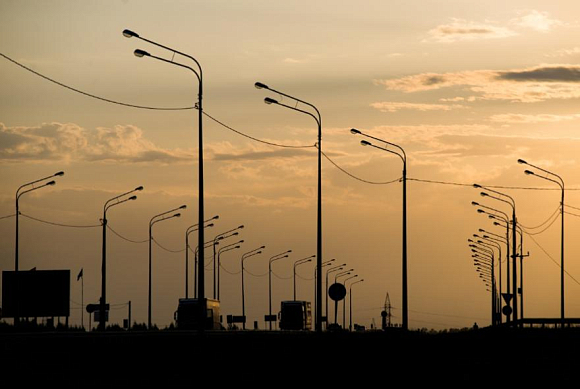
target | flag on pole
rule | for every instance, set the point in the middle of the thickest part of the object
(80, 275)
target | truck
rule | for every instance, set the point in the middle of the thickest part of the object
(295, 315)
(187, 314)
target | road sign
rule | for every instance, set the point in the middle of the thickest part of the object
(507, 297)
(337, 291)
(270, 318)
(95, 307)
(507, 310)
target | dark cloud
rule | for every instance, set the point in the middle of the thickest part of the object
(434, 80)
(543, 74)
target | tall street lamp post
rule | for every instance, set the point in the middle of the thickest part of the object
(318, 119)
(244, 257)
(560, 182)
(199, 76)
(155, 219)
(298, 263)
(272, 259)
(19, 192)
(401, 154)
(350, 303)
(189, 230)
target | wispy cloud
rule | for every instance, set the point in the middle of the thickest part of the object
(541, 118)
(536, 20)
(67, 142)
(397, 106)
(565, 52)
(295, 60)
(466, 30)
(534, 84)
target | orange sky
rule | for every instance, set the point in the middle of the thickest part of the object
(466, 88)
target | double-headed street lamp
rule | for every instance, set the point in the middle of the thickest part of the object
(330, 270)
(316, 308)
(341, 274)
(110, 203)
(156, 219)
(318, 119)
(344, 302)
(401, 154)
(199, 76)
(19, 192)
(560, 182)
(272, 259)
(229, 247)
(223, 235)
(189, 230)
(298, 263)
(244, 257)
(350, 303)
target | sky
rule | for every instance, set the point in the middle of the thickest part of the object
(465, 87)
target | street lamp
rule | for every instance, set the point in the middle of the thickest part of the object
(350, 303)
(318, 119)
(20, 192)
(229, 247)
(401, 154)
(298, 263)
(560, 182)
(272, 259)
(326, 263)
(155, 219)
(344, 302)
(199, 76)
(110, 203)
(330, 270)
(341, 274)
(244, 257)
(189, 230)
(207, 244)
(223, 235)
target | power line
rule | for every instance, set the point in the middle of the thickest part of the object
(165, 248)
(355, 177)
(61, 224)
(255, 139)
(552, 259)
(256, 275)
(91, 95)
(7, 216)
(573, 214)
(484, 186)
(540, 225)
(229, 272)
(279, 277)
(127, 239)
(539, 232)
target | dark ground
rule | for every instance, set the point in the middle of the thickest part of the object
(499, 355)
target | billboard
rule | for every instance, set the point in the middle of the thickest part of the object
(36, 293)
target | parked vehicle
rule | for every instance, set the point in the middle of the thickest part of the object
(187, 314)
(295, 315)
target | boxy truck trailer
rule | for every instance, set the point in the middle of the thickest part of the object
(295, 315)
(187, 314)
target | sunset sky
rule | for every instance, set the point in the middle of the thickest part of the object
(465, 87)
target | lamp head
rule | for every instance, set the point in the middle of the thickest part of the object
(475, 203)
(269, 100)
(235, 233)
(51, 183)
(141, 53)
(182, 207)
(130, 34)
(529, 172)
(59, 174)
(138, 188)
(365, 143)
(477, 186)
(177, 215)
(354, 131)
(209, 225)
(242, 241)
(484, 194)
(133, 198)
(215, 217)
(480, 211)
(522, 161)
(240, 227)
(259, 85)
(496, 224)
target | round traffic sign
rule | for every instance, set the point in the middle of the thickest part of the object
(337, 291)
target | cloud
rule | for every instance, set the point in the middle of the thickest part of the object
(533, 84)
(542, 118)
(295, 60)
(67, 142)
(397, 106)
(551, 73)
(465, 30)
(565, 52)
(536, 20)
